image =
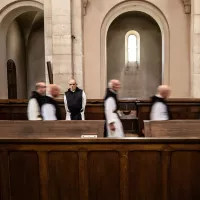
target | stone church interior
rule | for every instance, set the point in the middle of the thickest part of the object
(132, 70)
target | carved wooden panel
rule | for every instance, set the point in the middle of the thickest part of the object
(183, 180)
(63, 175)
(86, 169)
(101, 165)
(24, 175)
(145, 172)
(4, 176)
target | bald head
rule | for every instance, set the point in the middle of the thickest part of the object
(54, 90)
(164, 91)
(40, 87)
(114, 84)
(72, 84)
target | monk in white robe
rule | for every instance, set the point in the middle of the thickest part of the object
(35, 102)
(114, 126)
(50, 109)
(159, 108)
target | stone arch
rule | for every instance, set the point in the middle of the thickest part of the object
(152, 11)
(7, 15)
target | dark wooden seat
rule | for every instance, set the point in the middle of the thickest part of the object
(51, 129)
(99, 169)
(172, 128)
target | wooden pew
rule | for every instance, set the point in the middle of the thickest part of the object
(96, 169)
(51, 129)
(180, 109)
(172, 128)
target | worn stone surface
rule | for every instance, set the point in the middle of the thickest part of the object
(196, 58)
(195, 41)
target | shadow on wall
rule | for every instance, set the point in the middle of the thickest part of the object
(140, 80)
(25, 46)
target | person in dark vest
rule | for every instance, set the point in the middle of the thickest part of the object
(113, 126)
(35, 102)
(159, 108)
(50, 109)
(75, 102)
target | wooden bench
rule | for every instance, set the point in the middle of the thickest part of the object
(51, 129)
(99, 169)
(185, 108)
(172, 128)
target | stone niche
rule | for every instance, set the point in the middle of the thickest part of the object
(139, 80)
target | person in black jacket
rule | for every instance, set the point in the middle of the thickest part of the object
(50, 108)
(75, 102)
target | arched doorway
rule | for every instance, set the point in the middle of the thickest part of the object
(22, 40)
(12, 80)
(135, 6)
(134, 54)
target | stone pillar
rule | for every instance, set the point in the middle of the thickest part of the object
(58, 42)
(195, 49)
(48, 34)
(77, 42)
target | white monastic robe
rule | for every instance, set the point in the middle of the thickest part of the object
(159, 110)
(50, 110)
(112, 117)
(33, 109)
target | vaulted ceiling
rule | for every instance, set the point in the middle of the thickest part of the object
(30, 21)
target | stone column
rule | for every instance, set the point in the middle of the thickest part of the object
(58, 42)
(195, 49)
(47, 34)
(77, 42)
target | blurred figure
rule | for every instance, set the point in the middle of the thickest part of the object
(50, 108)
(159, 108)
(75, 102)
(36, 101)
(113, 126)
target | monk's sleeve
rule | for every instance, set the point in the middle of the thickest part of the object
(84, 100)
(65, 103)
(33, 110)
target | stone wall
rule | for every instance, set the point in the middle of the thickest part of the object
(63, 40)
(195, 48)
(142, 80)
(73, 35)
(175, 29)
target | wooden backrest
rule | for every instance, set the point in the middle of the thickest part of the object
(172, 128)
(99, 169)
(35, 129)
(189, 109)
